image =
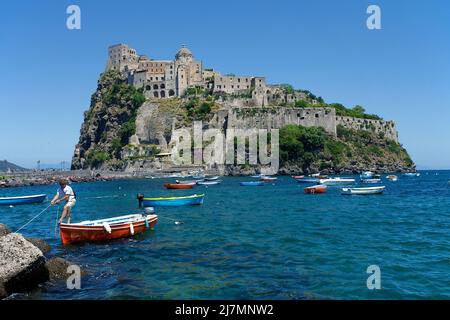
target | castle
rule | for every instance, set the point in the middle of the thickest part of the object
(171, 78)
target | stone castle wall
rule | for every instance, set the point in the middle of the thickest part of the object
(278, 117)
(385, 128)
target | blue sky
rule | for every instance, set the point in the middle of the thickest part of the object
(401, 72)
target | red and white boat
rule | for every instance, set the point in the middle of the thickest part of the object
(106, 229)
(267, 178)
(316, 189)
(298, 177)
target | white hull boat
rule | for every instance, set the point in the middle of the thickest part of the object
(336, 181)
(363, 191)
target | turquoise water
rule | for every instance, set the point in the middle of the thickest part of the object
(271, 242)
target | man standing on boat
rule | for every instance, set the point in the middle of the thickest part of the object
(67, 194)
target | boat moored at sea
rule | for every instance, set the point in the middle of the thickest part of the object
(267, 178)
(196, 199)
(298, 177)
(13, 201)
(363, 191)
(179, 185)
(215, 178)
(371, 181)
(316, 189)
(208, 183)
(252, 183)
(106, 229)
(392, 177)
(337, 181)
(308, 180)
(411, 174)
(366, 175)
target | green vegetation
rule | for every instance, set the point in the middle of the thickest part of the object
(95, 157)
(199, 109)
(310, 147)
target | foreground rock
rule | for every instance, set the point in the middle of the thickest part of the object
(22, 265)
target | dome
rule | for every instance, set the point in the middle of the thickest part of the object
(183, 52)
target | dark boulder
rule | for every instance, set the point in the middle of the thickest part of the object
(4, 230)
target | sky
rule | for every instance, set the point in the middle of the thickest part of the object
(401, 72)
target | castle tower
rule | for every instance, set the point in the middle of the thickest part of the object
(121, 57)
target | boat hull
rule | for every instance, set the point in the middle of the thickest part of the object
(173, 201)
(252, 184)
(337, 181)
(77, 233)
(363, 191)
(12, 201)
(307, 180)
(179, 186)
(315, 189)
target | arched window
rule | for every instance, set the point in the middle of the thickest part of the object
(162, 86)
(147, 87)
(155, 87)
(155, 94)
(171, 93)
(163, 94)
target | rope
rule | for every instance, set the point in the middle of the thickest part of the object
(57, 216)
(32, 219)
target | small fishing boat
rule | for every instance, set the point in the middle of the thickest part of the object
(12, 201)
(211, 178)
(411, 174)
(196, 199)
(179, 186)
(337, 181)
(208, 183)
(252, 183)
(267, 178)
(363, 191)
(371, 181)
(186, 182)
(298, 177)
(316, 189)
(106, 229)
(392, 177)
(308, 180)
(367, 175)
(257, 176)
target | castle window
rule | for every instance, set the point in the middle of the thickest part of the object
(162, 86)
(171, 93)
(163, 94)
(155, 94)
(155, 87)
(147, 87)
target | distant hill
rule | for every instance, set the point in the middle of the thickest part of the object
(5, 166)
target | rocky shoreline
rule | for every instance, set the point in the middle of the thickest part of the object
(23, 264)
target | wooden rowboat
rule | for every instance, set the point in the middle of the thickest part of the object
(208, 183)
(316, 189)
(298, 177)
(12, 201)
(179, 185)
(106, 229)
(196, 199)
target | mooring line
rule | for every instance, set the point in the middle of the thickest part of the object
(33, 219)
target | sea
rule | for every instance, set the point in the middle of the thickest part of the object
(270, 242)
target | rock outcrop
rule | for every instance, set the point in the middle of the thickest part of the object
(22, 265)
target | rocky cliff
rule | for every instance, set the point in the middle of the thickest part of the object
(122, 130)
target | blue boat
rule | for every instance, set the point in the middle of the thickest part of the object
(13, 201)
(252, 183)
(308, 180)
(196, 199)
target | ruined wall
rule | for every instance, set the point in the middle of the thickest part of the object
(386, 128)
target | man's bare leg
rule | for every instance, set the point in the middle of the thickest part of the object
(63, 215)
